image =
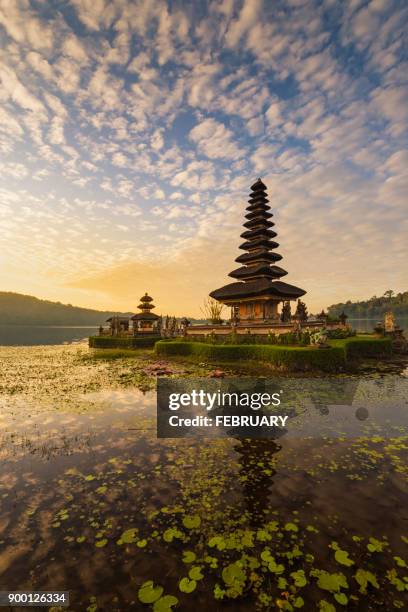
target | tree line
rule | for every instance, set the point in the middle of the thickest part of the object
(374, 307)
(18, 309)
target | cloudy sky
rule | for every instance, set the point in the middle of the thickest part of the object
(130, 133)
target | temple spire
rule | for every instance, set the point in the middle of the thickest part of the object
(259, 244)
(259, 274)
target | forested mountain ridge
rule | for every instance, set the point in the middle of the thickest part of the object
(19, 309)
(374, 307)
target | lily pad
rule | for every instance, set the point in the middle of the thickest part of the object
(325, 606)
(364, 578)
(341, 598)
(149, 593)
(233, 573)
(192, 522)
(342, 557)
(275, 568)
(171, 533)
(400, 562)
(331, 582)
(299, 578)
(187, 586)
(165, 603)
(375, 545)
(128, 537)
(195, 573)
(189, 556)
(217, 542)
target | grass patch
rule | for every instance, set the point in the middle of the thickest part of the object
(285, 357)
(110, 342)
(112, 354)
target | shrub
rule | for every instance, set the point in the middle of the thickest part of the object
(287, 339)
(304, 339)
(365, 346)
(341, 333)
(287, 357)
(107, 342)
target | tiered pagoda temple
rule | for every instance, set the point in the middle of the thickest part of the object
(259, 290)
(145, 321)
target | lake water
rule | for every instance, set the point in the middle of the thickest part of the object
(367, 325)
(31, 335)
(93, 503)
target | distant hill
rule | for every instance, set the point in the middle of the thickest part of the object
(374, 307)
(18, 309)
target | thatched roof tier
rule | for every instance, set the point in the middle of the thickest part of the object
(259, 288)
(146, 306)
(260, 232)
(260, 196)
(258, 186)
(254, 202)
(265, 243)
(261, 269)
(145, 316)
(258, 221)
(259, 208)
(146, 298)
(257, 213)
(259, 201)
(261, 255)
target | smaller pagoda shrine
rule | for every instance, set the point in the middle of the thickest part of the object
(258, 290)
(146, 322)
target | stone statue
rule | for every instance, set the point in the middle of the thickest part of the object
(396, 333)
(319, 338)
(343, 318)
(389, 322)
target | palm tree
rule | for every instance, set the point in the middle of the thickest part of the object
(388, 294)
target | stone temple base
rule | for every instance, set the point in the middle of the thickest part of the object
(399, 342)
(261, 328)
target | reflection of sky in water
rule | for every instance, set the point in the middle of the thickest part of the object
(376, 407)
(51, 461)
(342, 407)
(120, 399)
(110, 413)
(119, 412)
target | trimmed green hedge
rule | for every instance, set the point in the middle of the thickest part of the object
(288, 357)
(107, 342)
(364, 346)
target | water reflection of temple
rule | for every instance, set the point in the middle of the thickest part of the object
(256, 458)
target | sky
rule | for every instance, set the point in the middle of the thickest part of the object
(130, 133)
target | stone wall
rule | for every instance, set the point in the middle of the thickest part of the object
(257, 328)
